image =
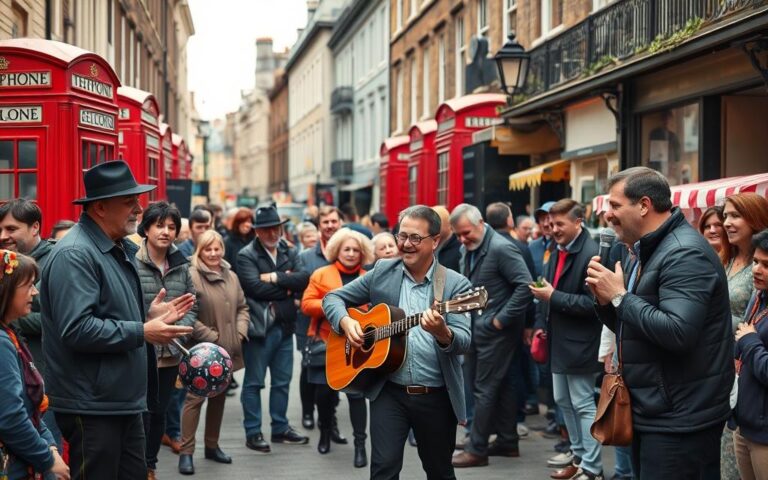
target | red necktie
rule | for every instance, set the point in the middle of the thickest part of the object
(559, 268)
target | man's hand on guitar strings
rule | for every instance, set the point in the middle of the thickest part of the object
(352, 330)
(434, 323)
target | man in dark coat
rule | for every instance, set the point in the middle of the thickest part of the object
(491, 261)
(269, 275)
(573, 330)
(672, 319)
(448, 251)
(96, 327)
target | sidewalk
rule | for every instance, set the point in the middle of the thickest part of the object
(303, 462)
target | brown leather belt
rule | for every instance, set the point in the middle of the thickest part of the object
(417, 389)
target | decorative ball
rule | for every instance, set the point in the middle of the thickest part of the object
(207, 370)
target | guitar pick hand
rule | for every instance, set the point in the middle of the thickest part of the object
(434, 323)
(352, 330)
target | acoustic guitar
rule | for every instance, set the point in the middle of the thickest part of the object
(384, 348)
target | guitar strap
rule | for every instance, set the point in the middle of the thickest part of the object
(439, 283)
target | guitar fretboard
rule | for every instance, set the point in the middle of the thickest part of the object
(401, 326)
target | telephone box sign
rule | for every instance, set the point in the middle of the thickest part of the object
(149, 117)
(92, 118)
(21, 114)
(25, 79)
(92, 86)
(153, 141)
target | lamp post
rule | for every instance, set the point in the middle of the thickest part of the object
(512, 63)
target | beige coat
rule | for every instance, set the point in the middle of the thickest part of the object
(222, 315)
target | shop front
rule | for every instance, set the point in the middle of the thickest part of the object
(422, 166)
(140, 140)
(393, 176)
(58, 117)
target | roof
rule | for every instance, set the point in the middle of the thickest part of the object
(164, 130)
(63, 52)
(394, 142)
(344, 23)
(177, 140)
(324, 17)
(425, 127)
(139, 96)
(466, 101)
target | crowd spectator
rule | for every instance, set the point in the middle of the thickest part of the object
(307, 232)
(352, 219)
(222, 319)
(711, 227)
(240, 234)
(200, 220)
(448, 246)
(673, 322)
(60, 229)
(523, 228)
(384, 245)
(542, 247)
(161, 266)
(347, 251)
(27, 441)
(379, 223)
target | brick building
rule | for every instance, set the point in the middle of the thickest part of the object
(278, 134)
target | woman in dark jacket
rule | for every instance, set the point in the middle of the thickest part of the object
(751, 438)
(26, 445)
(239, 236)
(161, 265)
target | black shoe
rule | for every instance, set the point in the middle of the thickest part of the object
(324, 445)
(531, 409)
(361, 458)
(257, 442)
(290, 437)
(412, 439)
(337, 437)
(217, 455)
(186, 467)
(308, 421)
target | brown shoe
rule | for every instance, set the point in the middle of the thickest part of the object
(175, 444)
(495, 450)
(151, 474)
(565, 473)
(466, 459)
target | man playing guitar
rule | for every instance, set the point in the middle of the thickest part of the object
(426, 393)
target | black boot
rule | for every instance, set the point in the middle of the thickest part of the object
(336, 435)
(361, 457)
(217, 455)
(324, 445)
(186, 467)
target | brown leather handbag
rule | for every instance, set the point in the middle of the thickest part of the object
(613, 421)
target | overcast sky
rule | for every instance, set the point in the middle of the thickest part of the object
(222, 53)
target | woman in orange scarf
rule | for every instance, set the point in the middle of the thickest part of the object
(347, 251)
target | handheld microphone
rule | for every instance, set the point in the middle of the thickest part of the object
(607, 239)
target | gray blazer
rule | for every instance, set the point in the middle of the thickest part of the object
(382, 285)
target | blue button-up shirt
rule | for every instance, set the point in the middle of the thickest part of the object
(421, 365)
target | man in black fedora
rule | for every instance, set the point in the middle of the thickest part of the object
(270, 278)
(97, 334)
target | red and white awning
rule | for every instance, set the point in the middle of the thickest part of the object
(703, 195)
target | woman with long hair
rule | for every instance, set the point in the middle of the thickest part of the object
(347, 251)
(27, 447)
(711, 227)
(744, 214)
(222, 318)
(240, 235)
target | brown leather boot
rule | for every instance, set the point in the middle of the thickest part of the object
(151, 474)
(466, 459)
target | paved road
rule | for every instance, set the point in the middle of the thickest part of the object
(303, 462)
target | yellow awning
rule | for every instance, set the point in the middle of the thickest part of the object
(548, 172)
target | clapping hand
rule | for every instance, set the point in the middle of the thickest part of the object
(744, 329)
(159, 328)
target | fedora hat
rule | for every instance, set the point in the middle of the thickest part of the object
(267, 217)
(110, 179)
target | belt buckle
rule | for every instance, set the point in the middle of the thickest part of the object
(415, 389)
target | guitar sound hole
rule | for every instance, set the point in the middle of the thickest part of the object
(368, 339)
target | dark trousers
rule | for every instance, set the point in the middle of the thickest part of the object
(104, 446)
(327, 399)
(306, 393)
(431, 417)
(166, 378)
(494, 391)
(683, 456)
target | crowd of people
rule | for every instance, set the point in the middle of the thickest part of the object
(126, 290)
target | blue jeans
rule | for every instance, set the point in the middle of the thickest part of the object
(173, 413)
(624, 462)
(574, 394)
(275, 352)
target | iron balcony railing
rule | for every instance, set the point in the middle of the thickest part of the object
(342, 100)
(622, 30)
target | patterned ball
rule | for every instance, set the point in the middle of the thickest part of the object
(207, 370)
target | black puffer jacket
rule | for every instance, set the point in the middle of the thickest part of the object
(676, 334)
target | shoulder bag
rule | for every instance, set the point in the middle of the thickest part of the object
(313, 355)
(613, 420)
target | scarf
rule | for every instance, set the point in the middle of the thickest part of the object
(349, 271)
(33, 381)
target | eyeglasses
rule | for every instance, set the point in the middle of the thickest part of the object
(414, 238)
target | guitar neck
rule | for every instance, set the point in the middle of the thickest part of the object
(401, 326)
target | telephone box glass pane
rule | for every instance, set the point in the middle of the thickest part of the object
(86, 163)
(102, 154)
(6, 186)
(6, 155)
(28, 154)
(93, 155)
(28, 186)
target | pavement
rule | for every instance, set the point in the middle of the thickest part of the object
(303, 461)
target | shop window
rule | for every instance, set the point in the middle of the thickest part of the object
(413, 173)
(18, 169)
(671, 143)
(442, 178)
(95, 153)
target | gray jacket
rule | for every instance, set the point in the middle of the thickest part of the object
(382, 285)
(177, 281)
(93, 315)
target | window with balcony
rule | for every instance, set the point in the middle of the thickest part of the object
(18, 169)
(399, 15)
(482, 18)
(551, 15)
(414, 7)
(425, 87)
(510, 17)
(442, 178)
(460, 49)
(671, 143)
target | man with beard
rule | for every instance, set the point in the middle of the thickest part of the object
(95, 328)
(672, 321)
(489, 260)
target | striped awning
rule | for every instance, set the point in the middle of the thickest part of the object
(703, 195)
(548, 172)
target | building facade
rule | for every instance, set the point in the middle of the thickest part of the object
(278, 134)
(360, 100)
(222, 165)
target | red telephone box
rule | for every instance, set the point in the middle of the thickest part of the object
(457, 119)
(421, 171)
(394, 176)
(182, 161)
(139, 135)
(58, 116)
(167, 151)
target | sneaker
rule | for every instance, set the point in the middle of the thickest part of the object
(582, 474)
(290, 437)
(560, 460)
(522, 430)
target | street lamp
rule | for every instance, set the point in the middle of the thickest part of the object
(512, 63)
